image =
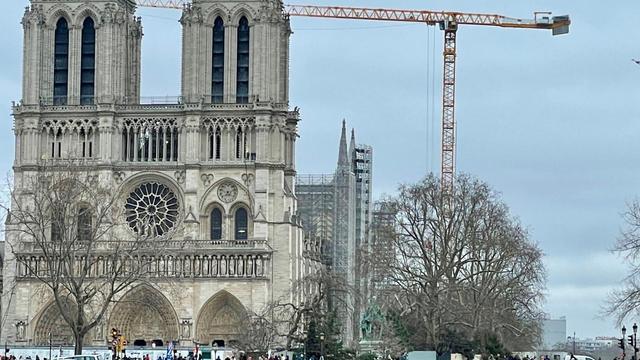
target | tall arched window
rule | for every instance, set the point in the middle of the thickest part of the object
(57, 222)
(241, 223)
(61, 63)
(214, 143)
(217, 73)
(242, 82)
(84, 224)
(216, 224)
(240, 144)
(218, 141)
(88, 62)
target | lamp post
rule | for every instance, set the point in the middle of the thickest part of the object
(635, 343)
(322, 346)
(50, 345)
(304, 345)
(624, 336)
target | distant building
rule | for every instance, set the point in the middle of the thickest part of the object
(592, 344)
(554, 333)
(383, 221)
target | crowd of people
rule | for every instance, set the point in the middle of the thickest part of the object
(259, 357)
(232, 357)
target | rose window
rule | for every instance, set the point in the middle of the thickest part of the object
(152, 209)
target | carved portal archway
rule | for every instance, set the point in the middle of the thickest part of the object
(51, 321)
(144, 313)
(220, 319)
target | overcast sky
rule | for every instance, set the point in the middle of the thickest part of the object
(550, 122)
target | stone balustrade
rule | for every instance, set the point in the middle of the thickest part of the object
(239, 266)
(164, 104)
(182, 246)
(175, 259)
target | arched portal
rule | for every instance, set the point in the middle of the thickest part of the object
(51, 321)
(220, 320)
(144, 314)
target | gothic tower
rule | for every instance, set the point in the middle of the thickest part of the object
(343, 249)
(225, 152)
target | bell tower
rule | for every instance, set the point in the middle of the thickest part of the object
(81, 52)
(221, 160)
(235, 52)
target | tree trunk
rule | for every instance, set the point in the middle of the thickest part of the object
(79, 341)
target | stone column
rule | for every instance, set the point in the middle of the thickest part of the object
(104, 60)
(105, 140)
(75, 44)
(191, 140)
(134, 64)
(193, 54)
(230, 62)
(33, 25)
(46, 63)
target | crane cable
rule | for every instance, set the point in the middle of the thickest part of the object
(433, 100)
(431, 95)
(428, 134)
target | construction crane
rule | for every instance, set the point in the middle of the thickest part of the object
(448, 22)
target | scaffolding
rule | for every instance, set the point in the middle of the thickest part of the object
(316, 200)
(335, 210)
(326, 206)
(382, 229)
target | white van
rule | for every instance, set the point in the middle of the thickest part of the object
(578, 357)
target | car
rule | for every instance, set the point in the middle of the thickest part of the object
(82, 357)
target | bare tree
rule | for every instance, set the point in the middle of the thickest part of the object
(625, 301)
(259, 333)
(458, 262)
(70, 231)
(282, 321)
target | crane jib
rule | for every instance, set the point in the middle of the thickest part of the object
(448, 22)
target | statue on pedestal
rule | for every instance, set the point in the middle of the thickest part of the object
(371, 323)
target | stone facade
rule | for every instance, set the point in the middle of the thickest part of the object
(228, 153)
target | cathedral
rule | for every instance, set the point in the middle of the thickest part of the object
(222, 156)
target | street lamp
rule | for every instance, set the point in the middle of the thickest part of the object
(635, 344)
(49, 346)
(322, 345)
(304, 345)
(624, 336)
(215, 350)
